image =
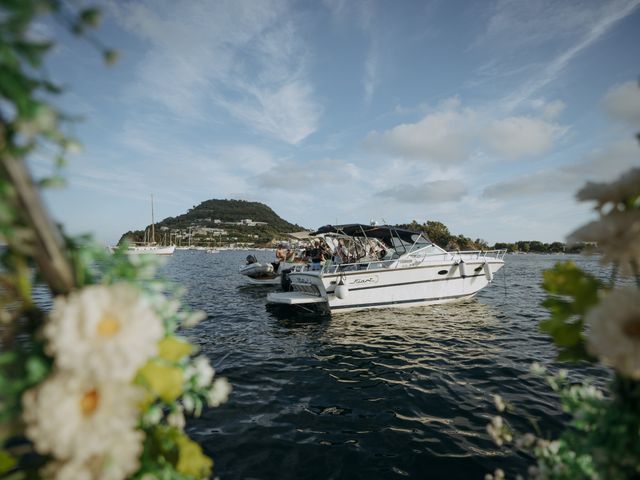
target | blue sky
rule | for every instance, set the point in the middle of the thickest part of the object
(486, 116)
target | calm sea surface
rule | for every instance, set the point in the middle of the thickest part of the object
(375, 394)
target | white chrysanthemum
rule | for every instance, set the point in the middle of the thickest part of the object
(78, 419)
(614, 334)
(625, 187)
(219, 392)
(117, 464)
(617, 235)
(200, 371)
(105, 332)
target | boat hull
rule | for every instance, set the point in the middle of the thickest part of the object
(150, 250)
(391, 287)
(258, 271)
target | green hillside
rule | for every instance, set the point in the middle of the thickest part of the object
(219, 222)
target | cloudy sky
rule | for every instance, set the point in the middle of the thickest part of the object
(486, 116)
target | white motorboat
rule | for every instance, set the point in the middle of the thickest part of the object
(382, 266)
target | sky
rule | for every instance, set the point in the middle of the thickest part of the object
(487, 116)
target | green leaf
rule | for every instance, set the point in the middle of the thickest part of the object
(7, 358)
(7, 462)
(90, 17)
(573, 292)
(569, 280)
(36, 368)
(52, 182)
(110, 56)
(33, 51)
(558, 307)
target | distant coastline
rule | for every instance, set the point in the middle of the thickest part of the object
(239, 223)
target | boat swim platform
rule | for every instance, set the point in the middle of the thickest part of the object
(294, 298)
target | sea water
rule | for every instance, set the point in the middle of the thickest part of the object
(375, 394)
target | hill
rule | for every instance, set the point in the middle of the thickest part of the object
(219, 222)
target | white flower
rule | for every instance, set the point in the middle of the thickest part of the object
(194, 318)
(188, 403)
(83, 421)
(152, 416)
(176, 418)
(527, 440)
(617, 235)
(118, 464)
(219, 392)
(200, 371)
(614, 331)
(537, 369)
(625, 187)
(495, 429)
(104, 332)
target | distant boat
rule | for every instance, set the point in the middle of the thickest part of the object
(151, 247)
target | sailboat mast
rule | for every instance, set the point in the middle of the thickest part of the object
(153, 223)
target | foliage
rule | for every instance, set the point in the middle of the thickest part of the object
(573, 292)
(439, 234)
(97, 297)
(598, 323)
(534, 246)
(227, 211)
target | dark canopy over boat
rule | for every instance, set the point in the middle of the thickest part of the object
(384, 233)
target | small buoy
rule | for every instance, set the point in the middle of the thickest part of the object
(488, 272)
(463, 268)
(342, 291)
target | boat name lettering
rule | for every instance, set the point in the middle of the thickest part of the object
(365, 281)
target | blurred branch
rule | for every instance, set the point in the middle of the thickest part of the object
(49, 253)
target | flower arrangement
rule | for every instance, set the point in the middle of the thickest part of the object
(596, 322)
(96, 383)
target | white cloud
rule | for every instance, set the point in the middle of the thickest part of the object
(370, 74)
(622, 103)
(451, 135)
(516, 137)
(242, 56)
(549, 110)
(362, 12)
(600, 165)
(517, 25)
(290, 175)
(437, 191)
(441, 137)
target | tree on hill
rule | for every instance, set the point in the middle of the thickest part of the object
(222, 215)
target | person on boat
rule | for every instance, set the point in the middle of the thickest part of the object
(281, 253)
(316, 255)
(341, 254)
(281, 256)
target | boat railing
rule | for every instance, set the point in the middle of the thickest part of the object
(479, 254)
(411, 260)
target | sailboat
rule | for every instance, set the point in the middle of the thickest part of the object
(151, 247)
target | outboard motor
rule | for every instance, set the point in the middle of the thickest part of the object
(251, 259)
(285, 281)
